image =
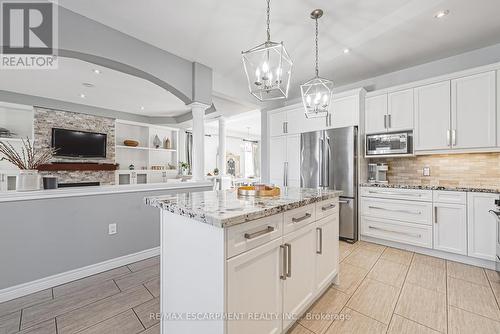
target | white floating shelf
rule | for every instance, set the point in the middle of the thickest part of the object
(12, 139)
(146, 148)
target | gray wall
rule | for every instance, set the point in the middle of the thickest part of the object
(40, 238)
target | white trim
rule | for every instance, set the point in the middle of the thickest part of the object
(433, 252)
(75, 274)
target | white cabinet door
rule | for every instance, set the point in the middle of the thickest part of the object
(277, 158)
(254, 287)
(432, 117)
(298, 289)
(344, 112)
(297, 122)
(450, 228)
(293, 160)
(375, 114)
(473, 111)
(481, 225)
(277, 123)
(327, 250)
(400, 110)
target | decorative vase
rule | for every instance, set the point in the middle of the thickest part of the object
(167, 144)
(156, 142)
(28, 180)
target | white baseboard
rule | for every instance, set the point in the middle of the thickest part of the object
(68, 276)
(433, 252)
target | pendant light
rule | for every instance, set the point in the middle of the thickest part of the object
(268, 68)
(317, 92)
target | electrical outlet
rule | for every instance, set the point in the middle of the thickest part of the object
(426, 171)
(112, 229)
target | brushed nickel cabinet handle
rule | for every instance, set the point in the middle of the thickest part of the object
(283, 262)
(397, 232)
(393, 193)
(249, 236)
(396, 210)
(288, 260)
(389, 121)
(385, 121)
(435, 215)
(319, 230)
(304, 217)
(328, 207)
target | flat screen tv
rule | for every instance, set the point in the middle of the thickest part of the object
(79, 144)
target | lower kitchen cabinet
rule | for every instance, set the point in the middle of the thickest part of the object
(481, 225)
(254, 287)
(450, 228)
(327, 251)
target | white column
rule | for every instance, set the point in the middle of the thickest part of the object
(198, 164)
(222, 146)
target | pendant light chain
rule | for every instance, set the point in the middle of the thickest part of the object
(317, 53)
(268, 21)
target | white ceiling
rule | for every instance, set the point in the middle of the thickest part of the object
(384, 35)
(244, 125)
(112, 89)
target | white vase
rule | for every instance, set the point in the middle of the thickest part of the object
(28, 180)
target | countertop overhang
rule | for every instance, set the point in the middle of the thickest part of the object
(430, 187)
(225, 208)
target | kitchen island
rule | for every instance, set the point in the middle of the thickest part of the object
(237, 265)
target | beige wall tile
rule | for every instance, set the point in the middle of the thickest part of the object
(463, 322)
(466, 272)
(400, 325)
(356, 323)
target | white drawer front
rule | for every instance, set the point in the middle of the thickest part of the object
(326, 208)
(394, 193)
(243, 237)
(297, 218)
(414, 234)
(413, 212)
(452, 197)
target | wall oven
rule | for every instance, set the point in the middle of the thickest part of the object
(395, 143)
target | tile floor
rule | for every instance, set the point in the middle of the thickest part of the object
(382, 290)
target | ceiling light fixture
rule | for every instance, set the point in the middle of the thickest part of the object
(347, 50)
(317, 92)
(142, 107)
(96, 71)
(268, 68)
(441, 14)
(82, 95)
(88, 84)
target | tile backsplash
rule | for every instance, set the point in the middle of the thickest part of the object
(451, 170)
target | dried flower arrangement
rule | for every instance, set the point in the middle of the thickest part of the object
(29, 158)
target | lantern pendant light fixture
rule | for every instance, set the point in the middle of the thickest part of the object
(268, 68)
(317, 92)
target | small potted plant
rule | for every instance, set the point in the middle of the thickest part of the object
(184, 168)
(28, 161)
(216, 171)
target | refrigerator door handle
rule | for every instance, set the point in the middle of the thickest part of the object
(327, 163)
(321, 162)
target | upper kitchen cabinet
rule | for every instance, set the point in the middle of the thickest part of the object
(473, 111)
(297, 122)
(432, 117)
(376, 114)
(344, 112)
(277, 160)
(400, 110)
(277, 123)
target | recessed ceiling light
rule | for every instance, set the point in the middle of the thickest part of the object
(441, 14)
(96, 71)
(347, 50)
(82, 95)
(88, 84)
(142, 107)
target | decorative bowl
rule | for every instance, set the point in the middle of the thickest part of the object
(131, 143)
(259, 191)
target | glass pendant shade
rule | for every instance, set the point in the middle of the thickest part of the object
(268, 68)
(317, 97)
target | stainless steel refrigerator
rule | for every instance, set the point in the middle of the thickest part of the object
(328, 159)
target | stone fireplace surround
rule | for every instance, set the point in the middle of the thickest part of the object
(46, 119)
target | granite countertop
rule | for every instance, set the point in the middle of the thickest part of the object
(225, 208)
(409, 186)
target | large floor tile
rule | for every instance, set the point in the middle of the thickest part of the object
(9, 323)
(400, 325)
(75, 286)
(493, 276)
(496, 290)
(156, 330)
(466, 272)
(397, 255)
(323, 312)
(298, 329)
(53, 308)
(362, 258)
(429, 277)
(145, 310)
(463, 322)
(374, 299)
(345, 249)
(152, 261)
(92, 314)
(472, 297)
(429, 261)
(424, 306)
(372, 247)
(47, 327)
(153, 287)
(356, 323)
(26, 301)
(350, 277)
(139, 277)
(124, 323)
(388, 272)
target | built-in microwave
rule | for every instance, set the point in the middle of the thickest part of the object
(395, 143)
